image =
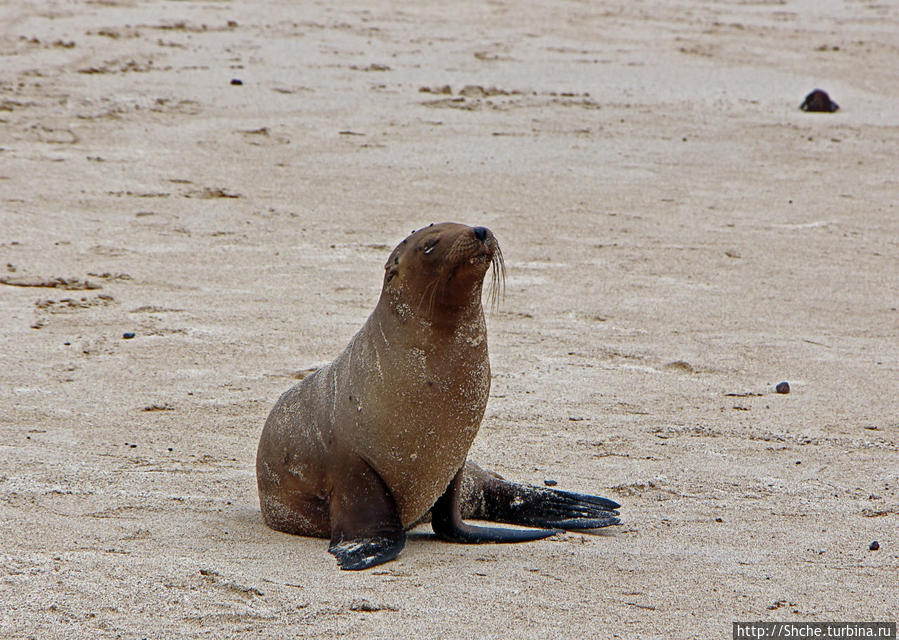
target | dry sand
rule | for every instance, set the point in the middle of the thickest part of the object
(679, 238)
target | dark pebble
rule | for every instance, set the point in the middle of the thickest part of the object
(819, 101)
(128, 335)
(719, 519)
(783, 387)
(236, 81)
(874, 546)
(550, 483)
(171, 449)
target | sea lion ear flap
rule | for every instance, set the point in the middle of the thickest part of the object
(393, 261)
(392, 265)
(394, 258)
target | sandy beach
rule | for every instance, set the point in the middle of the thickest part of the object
(196, 202)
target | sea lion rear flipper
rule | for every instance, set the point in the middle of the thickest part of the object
(365, 526)
(446, 520)
(490, 497)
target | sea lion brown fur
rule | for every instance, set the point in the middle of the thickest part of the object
(376, 441)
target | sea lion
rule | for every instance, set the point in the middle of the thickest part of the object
(375, 442)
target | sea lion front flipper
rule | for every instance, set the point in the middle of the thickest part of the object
(446, 520)
(365, 526)
(488, 496)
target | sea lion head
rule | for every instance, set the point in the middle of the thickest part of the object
(440, 269)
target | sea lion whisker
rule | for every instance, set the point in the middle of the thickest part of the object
(421, 298)
(437, 288)
(425, 292)
(498, 279)
(429, 293)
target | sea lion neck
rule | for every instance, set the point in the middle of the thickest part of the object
(434, 316)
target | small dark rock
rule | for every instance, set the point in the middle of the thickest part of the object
(874, 546)
(128, 335)
(782, 387)
(236, 81)
(719, 519)
(550, 483)
(819, 101)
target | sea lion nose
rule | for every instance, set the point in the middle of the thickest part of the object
(480, 233)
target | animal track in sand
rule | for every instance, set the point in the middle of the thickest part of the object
(474, 97)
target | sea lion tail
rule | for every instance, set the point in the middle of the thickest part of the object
(488, 496)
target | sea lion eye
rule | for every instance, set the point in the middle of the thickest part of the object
(429, 246)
